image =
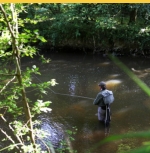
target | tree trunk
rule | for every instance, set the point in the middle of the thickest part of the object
(133, 16)
(16, 53)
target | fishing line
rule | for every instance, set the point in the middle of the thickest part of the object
(65, 94)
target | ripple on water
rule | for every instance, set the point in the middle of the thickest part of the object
(54, 132)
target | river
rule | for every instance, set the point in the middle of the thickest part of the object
(72, 107)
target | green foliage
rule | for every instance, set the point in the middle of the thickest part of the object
(65, 144)
(41, 106)
(123, 148)
(15, 44)
(92, 25)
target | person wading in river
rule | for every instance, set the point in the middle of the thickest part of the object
(103, 109)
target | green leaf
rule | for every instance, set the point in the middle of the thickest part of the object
(46, 109)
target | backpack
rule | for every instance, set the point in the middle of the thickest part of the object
(108, 96)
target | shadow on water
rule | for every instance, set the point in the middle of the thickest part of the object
(80, 75)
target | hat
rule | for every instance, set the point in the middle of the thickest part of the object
(102, 83)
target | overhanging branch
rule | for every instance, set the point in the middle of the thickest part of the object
(4, 87)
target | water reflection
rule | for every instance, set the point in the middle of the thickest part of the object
(80, 76)
(84, 81)
(141, 73)
(72, 84)
(112, 76)
(104, 64)
(54, 133)
(112, 83)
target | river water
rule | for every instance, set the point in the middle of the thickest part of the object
(72, 107)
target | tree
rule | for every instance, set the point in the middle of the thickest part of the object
(97, 27)
(13, 92)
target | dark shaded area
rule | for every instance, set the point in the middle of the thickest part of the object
(121, 29)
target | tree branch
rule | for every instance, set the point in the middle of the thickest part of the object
(44, 144)
(19, 75)
(9, 137)
(8, 74)
(19, 139)
(4, 87)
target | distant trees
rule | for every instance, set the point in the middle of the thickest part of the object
(98, 27)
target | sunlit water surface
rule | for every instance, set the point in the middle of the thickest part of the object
(78, 77)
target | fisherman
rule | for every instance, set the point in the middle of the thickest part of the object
(103, 109)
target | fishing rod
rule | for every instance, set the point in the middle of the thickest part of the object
(57, 93)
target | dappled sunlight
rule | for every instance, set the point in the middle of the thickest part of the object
(110, 84)
(141, 73)
(55, 131)
(138, 81)
(70, 107)
(103, 64)
(112, 76)
(113, 83)
(137, 71)
(79, 45)
(147, 70)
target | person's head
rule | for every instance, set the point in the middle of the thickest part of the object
(102, 85)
